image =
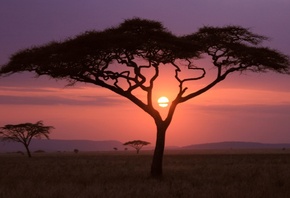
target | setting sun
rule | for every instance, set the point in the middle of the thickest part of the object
(163, 101)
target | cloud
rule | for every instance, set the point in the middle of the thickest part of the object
(58, 96)
(54, 100)
(248, 108)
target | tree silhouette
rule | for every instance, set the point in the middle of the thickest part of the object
(137, 144)
(76, 151)
(127, 59)
(24, 133)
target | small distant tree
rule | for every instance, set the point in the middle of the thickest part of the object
(137, 144)
(24, 133)
(115, 148)
(20, 152)
(76, 151)
(39, 151)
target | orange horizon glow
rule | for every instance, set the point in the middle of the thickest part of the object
(85, 112)
(229, 111)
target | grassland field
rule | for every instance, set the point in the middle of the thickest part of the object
(206, 174)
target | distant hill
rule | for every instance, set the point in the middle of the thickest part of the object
(109, 145)
(236, 145)
(63, 145)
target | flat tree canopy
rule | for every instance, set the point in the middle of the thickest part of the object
(137, 144)
(24, 133)
(120, 57)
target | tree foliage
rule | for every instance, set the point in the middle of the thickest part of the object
(24, 133)
(137, 144)
(120, 57)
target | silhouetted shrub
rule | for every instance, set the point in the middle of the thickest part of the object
(76, 151)
(39, 151)
(20, 152)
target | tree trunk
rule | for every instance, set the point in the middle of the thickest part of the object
(27, 150)
(156, 166)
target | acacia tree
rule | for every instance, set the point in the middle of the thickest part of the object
(24, 133)
(127, 59)
(137, 144)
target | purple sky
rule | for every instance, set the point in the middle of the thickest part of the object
(250, 107)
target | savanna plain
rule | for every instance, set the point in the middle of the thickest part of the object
(231, 173)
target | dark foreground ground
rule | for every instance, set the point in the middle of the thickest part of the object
(235, 174)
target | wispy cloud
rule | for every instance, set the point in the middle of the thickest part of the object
(57, 96)
(247, 108)
(243, 96)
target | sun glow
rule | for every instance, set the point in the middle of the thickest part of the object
(163, 101)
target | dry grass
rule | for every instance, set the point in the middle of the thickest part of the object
(124, 174)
